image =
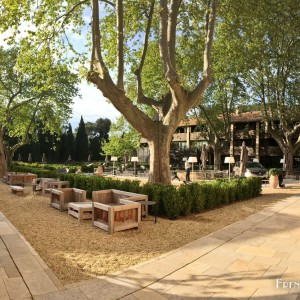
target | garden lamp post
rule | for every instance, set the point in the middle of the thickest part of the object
(113, 159)
(134, 159)
(193, 159)
(229, 160)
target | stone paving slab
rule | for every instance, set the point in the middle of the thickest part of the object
(244, 260)
(16, 288)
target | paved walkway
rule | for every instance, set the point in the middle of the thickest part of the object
(255, 258)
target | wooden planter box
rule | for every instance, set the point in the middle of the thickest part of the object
(54, 184)
(114, 196)
(113, 217)
(20, 178)
(41, 184)
(60, 198)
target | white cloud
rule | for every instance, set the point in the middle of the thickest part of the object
(92, 106)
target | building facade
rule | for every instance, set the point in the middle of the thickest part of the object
(244, 127)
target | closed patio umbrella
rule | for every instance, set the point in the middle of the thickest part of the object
(243, 159)
(204, 157)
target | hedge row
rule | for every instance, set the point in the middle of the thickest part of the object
(175, 201)
(40, 172)
(172, 201)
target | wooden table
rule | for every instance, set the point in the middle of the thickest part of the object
(18, 190)
(80, 210)
(148, 203)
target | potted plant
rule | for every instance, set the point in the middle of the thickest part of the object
(273, 177)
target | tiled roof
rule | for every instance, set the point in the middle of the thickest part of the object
(252, 116)
(235, 118)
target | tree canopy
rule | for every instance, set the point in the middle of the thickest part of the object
(123, 139)
(97, 133)
(259, 43)
(31, 96)
(125, 39)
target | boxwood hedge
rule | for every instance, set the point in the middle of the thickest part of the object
(172, 201)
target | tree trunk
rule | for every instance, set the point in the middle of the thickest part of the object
(159, 149)
(3, 162)
(217, 154)
(288, 161)
(9, 156)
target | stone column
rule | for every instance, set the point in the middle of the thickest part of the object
(231, 148)
(188, 136)
(257, 133)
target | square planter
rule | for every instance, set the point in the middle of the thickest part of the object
(113, 196)
(60, 198)
(114, 211)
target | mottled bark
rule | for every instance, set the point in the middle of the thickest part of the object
(3, 162)
(174, 105)
(159, 149)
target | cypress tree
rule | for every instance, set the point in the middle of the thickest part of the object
(81, 143)
(70, 143)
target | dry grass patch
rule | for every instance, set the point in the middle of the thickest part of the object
(77, 252)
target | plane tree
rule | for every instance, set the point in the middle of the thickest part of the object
(97, 133)
(123, 140)
(124, 37)
(214, 113)
(262, 40)
(31, 96)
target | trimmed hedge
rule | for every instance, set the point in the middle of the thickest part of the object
(35, 170)
(172, 201)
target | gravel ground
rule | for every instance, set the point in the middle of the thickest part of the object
(77, 252)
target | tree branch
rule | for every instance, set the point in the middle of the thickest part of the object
(66, 15)
(108, 2)
(167, 40)
(97, 63)
(140, 97)
(163, 37)
(211, 13)
(120, 44)
(172, 31)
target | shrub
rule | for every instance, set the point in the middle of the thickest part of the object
(170, 201)
(225, 190)
(186, 199)
(198, 193)
(213, 198)
(87, 168)
(273, 171)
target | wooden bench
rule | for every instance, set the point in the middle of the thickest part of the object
(80, 210)
(18, 190)
(114, 217)
(60, 198)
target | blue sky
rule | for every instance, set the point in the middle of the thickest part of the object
(91, 106)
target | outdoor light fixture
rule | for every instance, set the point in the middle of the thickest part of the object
(229, 160)
(193, 159)
(134, 159)
(113, 159)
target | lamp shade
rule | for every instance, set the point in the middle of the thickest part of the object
(114, 158)
(134, 158)
(193, 159)
(229, 160)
